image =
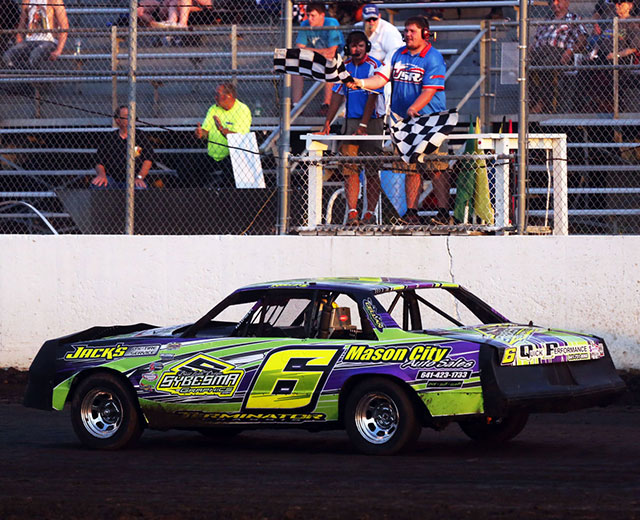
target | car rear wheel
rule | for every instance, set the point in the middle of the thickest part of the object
(495, 429)
(104, 414)
(380, 418)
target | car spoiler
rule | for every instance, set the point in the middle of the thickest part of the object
(43, 374)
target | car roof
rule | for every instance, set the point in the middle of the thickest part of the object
(349, 284)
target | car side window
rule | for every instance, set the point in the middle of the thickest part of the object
(426, 309)
(339, 317)
(277, 317)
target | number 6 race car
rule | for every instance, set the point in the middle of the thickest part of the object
(379, 357)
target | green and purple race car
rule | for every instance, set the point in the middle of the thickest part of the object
(379, 357)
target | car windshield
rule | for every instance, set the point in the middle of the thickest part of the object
(436, 308)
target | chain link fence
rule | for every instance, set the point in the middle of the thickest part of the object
(58, 123)
(468, 187)
(61, 119)
(584, 81)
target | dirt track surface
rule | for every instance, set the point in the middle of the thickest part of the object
(582, 465)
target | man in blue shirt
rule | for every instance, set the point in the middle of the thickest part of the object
(364, 114)
(416, 72)
(325, 42)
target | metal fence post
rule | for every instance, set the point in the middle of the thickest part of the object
(502, 177)
(285, 123)
(485, 71)
(115, 48)
(560, 187)
(616, 72)
(234, 53)
(131, 129)
(522, 117)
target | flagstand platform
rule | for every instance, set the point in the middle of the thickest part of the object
(501, 145)
(402, 230)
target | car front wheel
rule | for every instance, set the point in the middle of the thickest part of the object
(495, 429)
(104, 414)
(380, 418)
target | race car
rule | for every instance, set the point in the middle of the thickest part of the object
(378, 357)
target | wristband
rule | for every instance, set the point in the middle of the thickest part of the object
(363, 125)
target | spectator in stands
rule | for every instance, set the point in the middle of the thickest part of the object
(345, 12)
(604, 10)
(602, 53)
(554, 44)
(365, 112)
(227, 116)
(384, 37)
(8, 21)
(111, 164)
(436, 14)
(299, 13)
(417, 71)
(35, 43)
(324, 42)
(176, 12)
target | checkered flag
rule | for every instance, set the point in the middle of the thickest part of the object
(310, 64)
(422, 135)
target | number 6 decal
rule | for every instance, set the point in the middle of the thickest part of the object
(291, 379)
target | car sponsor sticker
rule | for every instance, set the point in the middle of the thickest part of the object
(429, 354)
(201, 375)
(550, 352)
(507, 333)
(84, 353)
(250, 417)
(372, 314)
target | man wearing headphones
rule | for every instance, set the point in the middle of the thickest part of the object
(364, 113)
(416, 72)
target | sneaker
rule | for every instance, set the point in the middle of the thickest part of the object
(441, 218)
(164, 25)
(352, 218)
(411, 217)
(368, 219)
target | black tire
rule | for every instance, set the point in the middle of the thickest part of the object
(104, 413)
(380, 418)
(495, 429)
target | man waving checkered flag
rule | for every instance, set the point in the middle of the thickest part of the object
(422, 135)
(310, 64)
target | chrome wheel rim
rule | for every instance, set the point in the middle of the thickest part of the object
(377, 417)
(101, 413)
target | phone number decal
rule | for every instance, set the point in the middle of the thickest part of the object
(444, 374)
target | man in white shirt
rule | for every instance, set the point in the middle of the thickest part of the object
(384, 37)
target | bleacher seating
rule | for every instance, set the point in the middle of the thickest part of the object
(174, 92)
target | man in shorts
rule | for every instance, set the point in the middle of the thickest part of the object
(416, 72)
(364, 115)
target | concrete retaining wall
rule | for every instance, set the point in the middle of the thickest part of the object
(52, 286)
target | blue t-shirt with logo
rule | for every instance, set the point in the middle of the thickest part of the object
(357, 99)
(321, 39)
(411, 74)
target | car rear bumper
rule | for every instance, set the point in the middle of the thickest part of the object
(553, 387)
